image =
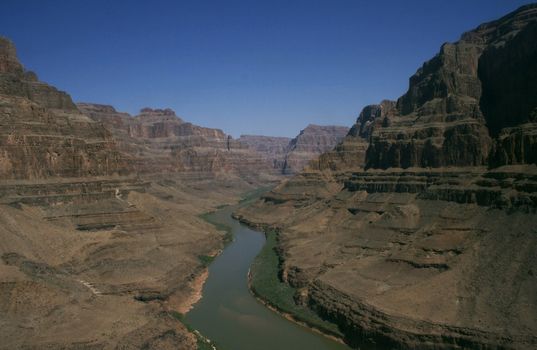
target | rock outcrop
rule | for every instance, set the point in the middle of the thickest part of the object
(416, 231)
(459, 102)
(290, 156)
(16, 81)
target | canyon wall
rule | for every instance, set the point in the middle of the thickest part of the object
(273, 148)
(102, 243)
(290, 156)
(159, 141)
(416, 231)
(42, 133)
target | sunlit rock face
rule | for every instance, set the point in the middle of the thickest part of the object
(43, 134)
(158, 141)
(416, 230)
(16, 81)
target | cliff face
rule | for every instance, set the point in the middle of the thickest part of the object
(399, 234)
(309, 144)
(100, 228)
(290, 156)
(158, 141)
(273, 148)
(42, 133)
(459, 102)
(16, 81)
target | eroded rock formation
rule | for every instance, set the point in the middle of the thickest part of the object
(417, 230)
(273, 148)
(290, 156)
(98, 248)
(42, 134)
(159, 141)
(309, 144)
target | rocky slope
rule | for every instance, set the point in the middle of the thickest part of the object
(290, 156)
(417, 231)
(98, 249)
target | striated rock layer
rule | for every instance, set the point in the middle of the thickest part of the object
(290, 156)
(159, 141)
(310, 143)
(417, 230)
(101, 240)
(42, 134)
(273, 148)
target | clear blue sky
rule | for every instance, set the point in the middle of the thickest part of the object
(253, 66)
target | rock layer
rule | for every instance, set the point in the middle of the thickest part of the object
(309, 144)
(416, 231)
(273, 148)
(462, 99)
(42, 134)
(94, 256)
(159, 141)
(290, 156)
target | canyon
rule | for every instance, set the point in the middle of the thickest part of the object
(98, 246)
(103, 244)
(417, 230)
(414, 228)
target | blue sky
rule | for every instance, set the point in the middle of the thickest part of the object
(247, 67)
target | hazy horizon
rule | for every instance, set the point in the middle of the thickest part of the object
(263, 68)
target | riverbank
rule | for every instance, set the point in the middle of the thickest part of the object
(182, 307)
(291, 317)
(230, 315)
(268, 289)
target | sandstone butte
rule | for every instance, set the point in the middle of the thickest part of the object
(418, 229)
(101, 240)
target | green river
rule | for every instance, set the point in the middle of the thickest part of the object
(231, 317)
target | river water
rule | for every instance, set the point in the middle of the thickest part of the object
(231, 317)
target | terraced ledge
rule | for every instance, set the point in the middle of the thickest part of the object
(359, 320)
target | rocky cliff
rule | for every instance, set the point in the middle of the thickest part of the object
(309, 144)
(99, 249)
(459, 102)
(273, 148)
(159, 141)
(416, 231)
(42, 133)
(290, 156)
